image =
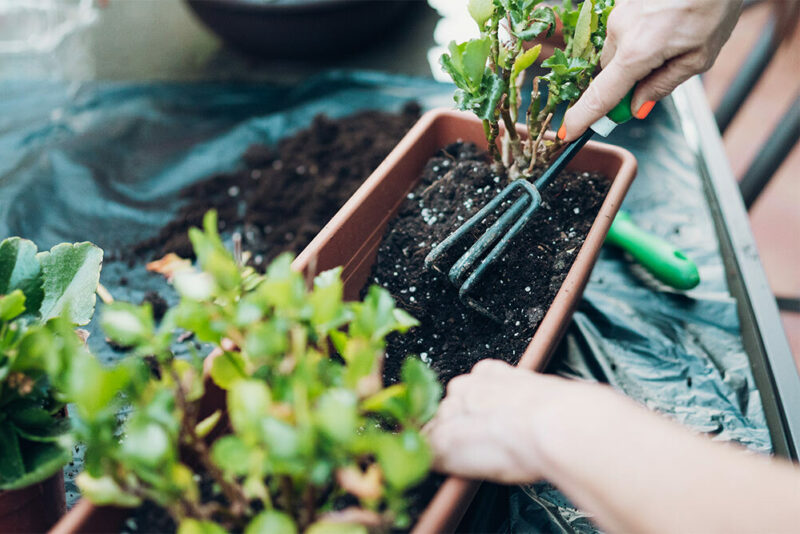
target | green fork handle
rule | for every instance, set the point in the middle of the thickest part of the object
(665, 262)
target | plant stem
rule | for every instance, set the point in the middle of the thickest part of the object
(535, 149)
(309, 508)
(489, 130)
(529, 115)
(238, 501)
(513, 138)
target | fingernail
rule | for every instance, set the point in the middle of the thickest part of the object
(645, 110)
(562, 132)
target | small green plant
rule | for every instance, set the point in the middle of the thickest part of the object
(315, 442)
(487, 71)
(42, 296)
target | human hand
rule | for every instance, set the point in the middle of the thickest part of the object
(658, 43)
(486, 426)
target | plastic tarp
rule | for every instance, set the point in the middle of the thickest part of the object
(105, 162)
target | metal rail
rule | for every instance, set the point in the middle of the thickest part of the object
(762, 333)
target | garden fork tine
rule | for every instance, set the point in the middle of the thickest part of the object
(499, 235)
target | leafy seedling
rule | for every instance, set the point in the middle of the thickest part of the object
(43, 295)
(311, 439)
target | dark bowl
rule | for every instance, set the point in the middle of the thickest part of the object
(299, 29)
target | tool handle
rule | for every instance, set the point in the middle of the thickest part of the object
(665, 262)
(619, 114)
(622, 111)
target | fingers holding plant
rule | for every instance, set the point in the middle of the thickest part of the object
(657, 43)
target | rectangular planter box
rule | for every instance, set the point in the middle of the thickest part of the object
(351, 239)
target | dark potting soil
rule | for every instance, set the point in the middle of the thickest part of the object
(284, 195)
(518, 288)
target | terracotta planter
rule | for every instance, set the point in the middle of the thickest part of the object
(352, 237)
(35, 508)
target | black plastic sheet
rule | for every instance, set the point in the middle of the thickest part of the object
(105, 162)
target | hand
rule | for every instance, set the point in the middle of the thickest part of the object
(486, 426)
(658, 43)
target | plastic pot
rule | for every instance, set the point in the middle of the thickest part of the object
(35, 508)
(351, 239)
(299, 29)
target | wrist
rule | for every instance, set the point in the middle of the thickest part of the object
(563, 419)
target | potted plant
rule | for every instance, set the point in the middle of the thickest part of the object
(421, 193)
(308, 439)
(38, 289)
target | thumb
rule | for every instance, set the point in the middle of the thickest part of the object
(605, 92)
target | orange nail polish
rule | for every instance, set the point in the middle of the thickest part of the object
(562, 132)
(645, 110)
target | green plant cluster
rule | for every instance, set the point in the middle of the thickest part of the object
(311, 440)
(43, 295)
(487, 71)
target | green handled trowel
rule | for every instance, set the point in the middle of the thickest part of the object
(665, 262)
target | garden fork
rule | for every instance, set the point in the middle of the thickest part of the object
(489, 246)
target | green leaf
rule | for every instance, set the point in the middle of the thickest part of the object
(212, 255)
(70, 274)
(267, 340)
(91, 387)
(329, 527)
(227, 368)
(337, 414)
(271, 522)
(193, 285)
(377, 316)
(42, 460)
(526, 59)
(104, 491)
(231, 454)
(466, 63)
(449, 66)
(204, 427)
(476, 52)
(480, 11)
(36, 423)
(361, 357)
(583, 29)
(568, 92)
(493, 89)
(389, 401)
(12, 466)
(282, 439)
(147, 444)
(327, 309)
(404, 458)
(12, 305)
(20, 269)
(543, 20)
(424, 389)
(194, 526)
(248, 403)
(128, 325)
(283, 288)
